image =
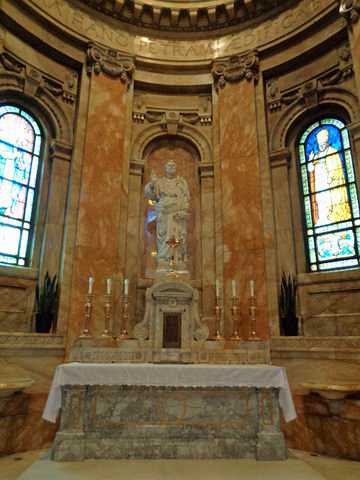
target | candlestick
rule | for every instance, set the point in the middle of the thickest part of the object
(91, 283)
(88, 311)
(233, 288)
(217, 288)
(252, 288)
(235, 318)
(108, 286)
(218, 311)
(252, 313)
(125, 313)
(107, 311)
(126, 287)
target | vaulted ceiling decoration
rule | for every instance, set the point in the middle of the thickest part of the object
(187, 16)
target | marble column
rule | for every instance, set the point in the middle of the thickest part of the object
(101, 194)
(208, 240)
(243, 235)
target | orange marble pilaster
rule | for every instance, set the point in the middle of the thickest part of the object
(243, 235)
(101, 194)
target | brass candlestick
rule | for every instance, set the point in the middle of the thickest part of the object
(218, 310)
(235, 318)
(88, 311)
(107, 312)
(252, 311)
(172, 243)
(125, 316)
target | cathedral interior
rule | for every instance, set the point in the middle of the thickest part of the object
(179, 187)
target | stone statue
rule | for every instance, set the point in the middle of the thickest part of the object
(171, 196)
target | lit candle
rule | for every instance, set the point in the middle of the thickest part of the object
(126, 286)
(108, 286)
(233, 288)
(91, 283)
(252, 288)
(217, 288)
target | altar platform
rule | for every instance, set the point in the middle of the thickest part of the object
(169, 411)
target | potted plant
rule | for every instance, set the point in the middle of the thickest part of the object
(47, 302)
(287, 306)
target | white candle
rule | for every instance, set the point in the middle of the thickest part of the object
(217, 288)
(91, 283)
(233, 288)
(108, 286)
(126, 286)
(252, 288)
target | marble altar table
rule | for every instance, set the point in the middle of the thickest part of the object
(169, 411)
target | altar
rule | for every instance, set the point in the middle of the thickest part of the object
(157, 411)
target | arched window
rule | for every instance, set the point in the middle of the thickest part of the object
(20, 147)
(331, 207)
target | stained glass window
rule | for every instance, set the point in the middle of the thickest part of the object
(20, 145)
(330, 195)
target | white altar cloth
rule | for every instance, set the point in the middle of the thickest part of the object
(169, 375)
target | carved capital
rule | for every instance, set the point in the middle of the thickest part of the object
(350, 10)
(110, 62)
(236, 68)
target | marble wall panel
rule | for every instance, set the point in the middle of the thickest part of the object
(98, 231)
(16, 304)
(244, 257)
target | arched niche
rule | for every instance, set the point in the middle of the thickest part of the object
(187, 157)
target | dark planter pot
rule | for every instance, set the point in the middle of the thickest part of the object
(289, 326)
(43, 323)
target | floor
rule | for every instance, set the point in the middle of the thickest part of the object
(35, 465)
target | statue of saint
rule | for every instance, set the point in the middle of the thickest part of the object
(171, 197)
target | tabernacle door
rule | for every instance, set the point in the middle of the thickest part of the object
(172, 330)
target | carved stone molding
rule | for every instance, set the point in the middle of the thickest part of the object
(34, 82)
(206, 170)
(110, 62)
(350, 10)
(310, 91)
(8, 62)
(136, 167)
(60, 150)
(172, 120)
(31, 340)
(280, 158)
(236, 68)
(189, 16)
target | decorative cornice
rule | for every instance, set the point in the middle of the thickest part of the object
(350, 10)
(34, 82)
(189, 16)
(110, 62)
(173, 119)
(236, 68)
(310, 91)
